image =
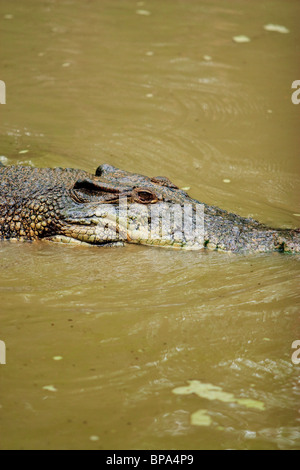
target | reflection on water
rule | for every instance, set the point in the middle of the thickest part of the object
(165, 93)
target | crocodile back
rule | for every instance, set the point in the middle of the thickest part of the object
(24, 190)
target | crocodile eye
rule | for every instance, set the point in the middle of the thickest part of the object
(145, 196)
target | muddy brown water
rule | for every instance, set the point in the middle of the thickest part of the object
(98, 339)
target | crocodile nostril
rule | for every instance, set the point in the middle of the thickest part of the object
(99, 171)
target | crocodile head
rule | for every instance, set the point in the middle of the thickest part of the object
(116, 206)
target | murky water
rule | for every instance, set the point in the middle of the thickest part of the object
(98, 339)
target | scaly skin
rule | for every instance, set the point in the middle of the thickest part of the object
(73, 205)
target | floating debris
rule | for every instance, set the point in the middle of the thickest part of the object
(150, 53)
(296, 215)
(66, 64)
(23, 151)
(226, 180)
(207, 58)
(57, 358)
(186, 188)
(94, 438)
(248, 403)
(241, 39)
(50, 388)
(277, 28)
(149, 95)
(3, 159)
(8, 17)
(143, 12)
(201, 418)
(212, 392)
(209, 391)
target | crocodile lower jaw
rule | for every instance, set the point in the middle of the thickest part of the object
(73, 241)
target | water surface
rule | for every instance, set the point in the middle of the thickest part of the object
(165, 93)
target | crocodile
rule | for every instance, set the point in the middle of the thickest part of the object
(114, 206)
